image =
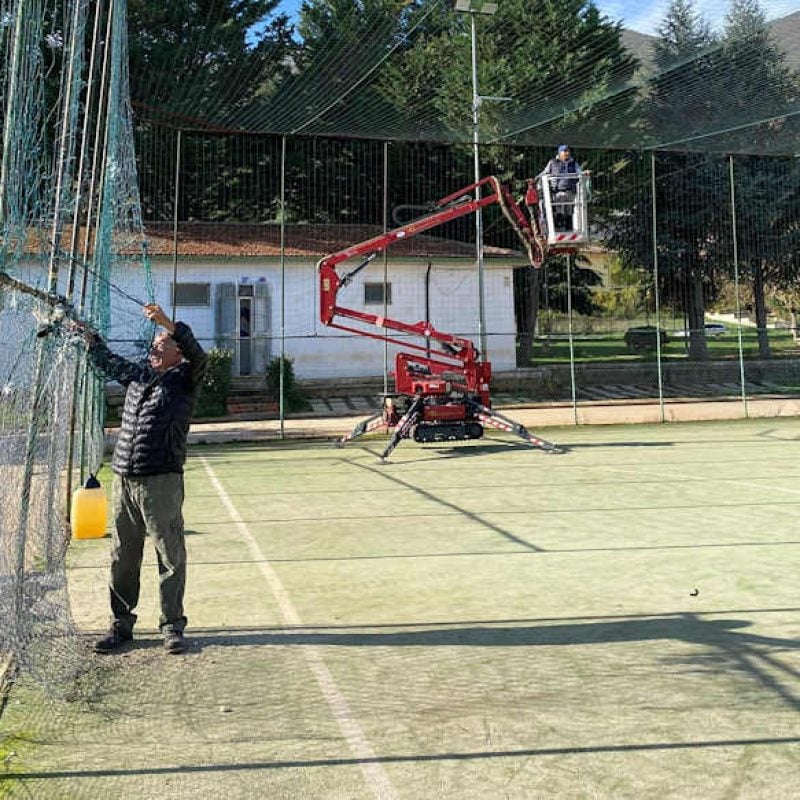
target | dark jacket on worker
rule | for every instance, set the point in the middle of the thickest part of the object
(564, 174)
(158, 406)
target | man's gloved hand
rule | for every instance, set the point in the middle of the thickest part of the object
(154, 312)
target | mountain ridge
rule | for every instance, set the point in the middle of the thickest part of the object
(785, 31)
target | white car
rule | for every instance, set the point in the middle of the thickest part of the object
(712, 329)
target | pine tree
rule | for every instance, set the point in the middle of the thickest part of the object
(758, 86)
(194, 61)
(196, 64)
(759, 89)
(682, 102)
(539, 54)
(343, 44)
(681, 106)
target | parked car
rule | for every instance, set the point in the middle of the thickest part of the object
(642, 339)
(712, 330)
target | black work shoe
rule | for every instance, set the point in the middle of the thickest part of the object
(174, 641)
(113, 640)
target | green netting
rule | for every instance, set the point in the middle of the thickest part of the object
(230, 115)
(70, 225)
(545, 73)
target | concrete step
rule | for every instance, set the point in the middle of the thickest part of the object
(263, 407)
(245, 396)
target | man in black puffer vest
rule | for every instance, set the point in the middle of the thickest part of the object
(148, 473)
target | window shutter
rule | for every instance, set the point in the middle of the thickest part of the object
(225, 313)
(262, 308)
(262, 327)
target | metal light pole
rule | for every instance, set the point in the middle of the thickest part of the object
(473, 7)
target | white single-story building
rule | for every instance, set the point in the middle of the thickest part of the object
(232, 284)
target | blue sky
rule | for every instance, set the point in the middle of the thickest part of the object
(645, 15)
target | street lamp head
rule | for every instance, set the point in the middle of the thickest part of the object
(487, 7)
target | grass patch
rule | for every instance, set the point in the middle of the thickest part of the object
(551, 350)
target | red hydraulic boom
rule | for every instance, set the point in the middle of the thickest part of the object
(442, 388)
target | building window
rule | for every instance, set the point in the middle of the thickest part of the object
(374, 294)
(192, 294)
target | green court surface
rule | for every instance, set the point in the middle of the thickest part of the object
(480, 620)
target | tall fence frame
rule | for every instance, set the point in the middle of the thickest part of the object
(371, 192)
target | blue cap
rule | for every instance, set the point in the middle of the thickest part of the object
(563, 147)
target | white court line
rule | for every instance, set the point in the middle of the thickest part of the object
(374, 773)
(786, 489)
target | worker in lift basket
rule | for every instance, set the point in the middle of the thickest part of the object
(564, 172)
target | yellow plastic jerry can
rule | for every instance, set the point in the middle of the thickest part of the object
(89, 508)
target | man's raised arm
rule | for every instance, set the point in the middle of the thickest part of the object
(182, 334)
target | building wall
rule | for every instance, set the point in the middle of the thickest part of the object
(322, 352)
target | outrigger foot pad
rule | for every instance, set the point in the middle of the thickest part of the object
(492, 419)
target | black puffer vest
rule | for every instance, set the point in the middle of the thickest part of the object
(158, 407)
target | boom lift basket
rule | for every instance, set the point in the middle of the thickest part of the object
(564, 220)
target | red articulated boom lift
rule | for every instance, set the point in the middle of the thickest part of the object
(442, 389)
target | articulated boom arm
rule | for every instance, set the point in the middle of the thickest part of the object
(442, 394)
(451, 207)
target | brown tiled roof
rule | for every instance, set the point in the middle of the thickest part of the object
(240, 240)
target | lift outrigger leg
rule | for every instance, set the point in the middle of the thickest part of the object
(492, 419)
(405, 424)
(367, 425)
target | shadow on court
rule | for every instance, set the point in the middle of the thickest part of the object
(563, 659)
(687, 628)
(438, 452)
(410, 758)
(728, 645)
